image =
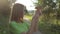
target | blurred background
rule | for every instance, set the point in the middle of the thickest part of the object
(49, 20)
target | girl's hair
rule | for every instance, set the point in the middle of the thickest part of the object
(17, 12)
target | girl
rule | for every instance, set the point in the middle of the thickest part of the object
(17, 24)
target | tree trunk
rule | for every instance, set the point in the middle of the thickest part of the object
(4, 16)
(34, 24)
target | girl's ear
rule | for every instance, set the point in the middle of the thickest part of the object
(21, 19)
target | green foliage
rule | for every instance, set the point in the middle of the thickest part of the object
(49, 7)
(48, 28)
(50, 16)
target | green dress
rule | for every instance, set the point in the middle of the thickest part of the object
(18, 28)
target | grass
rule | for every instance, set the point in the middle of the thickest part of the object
(28, 16)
